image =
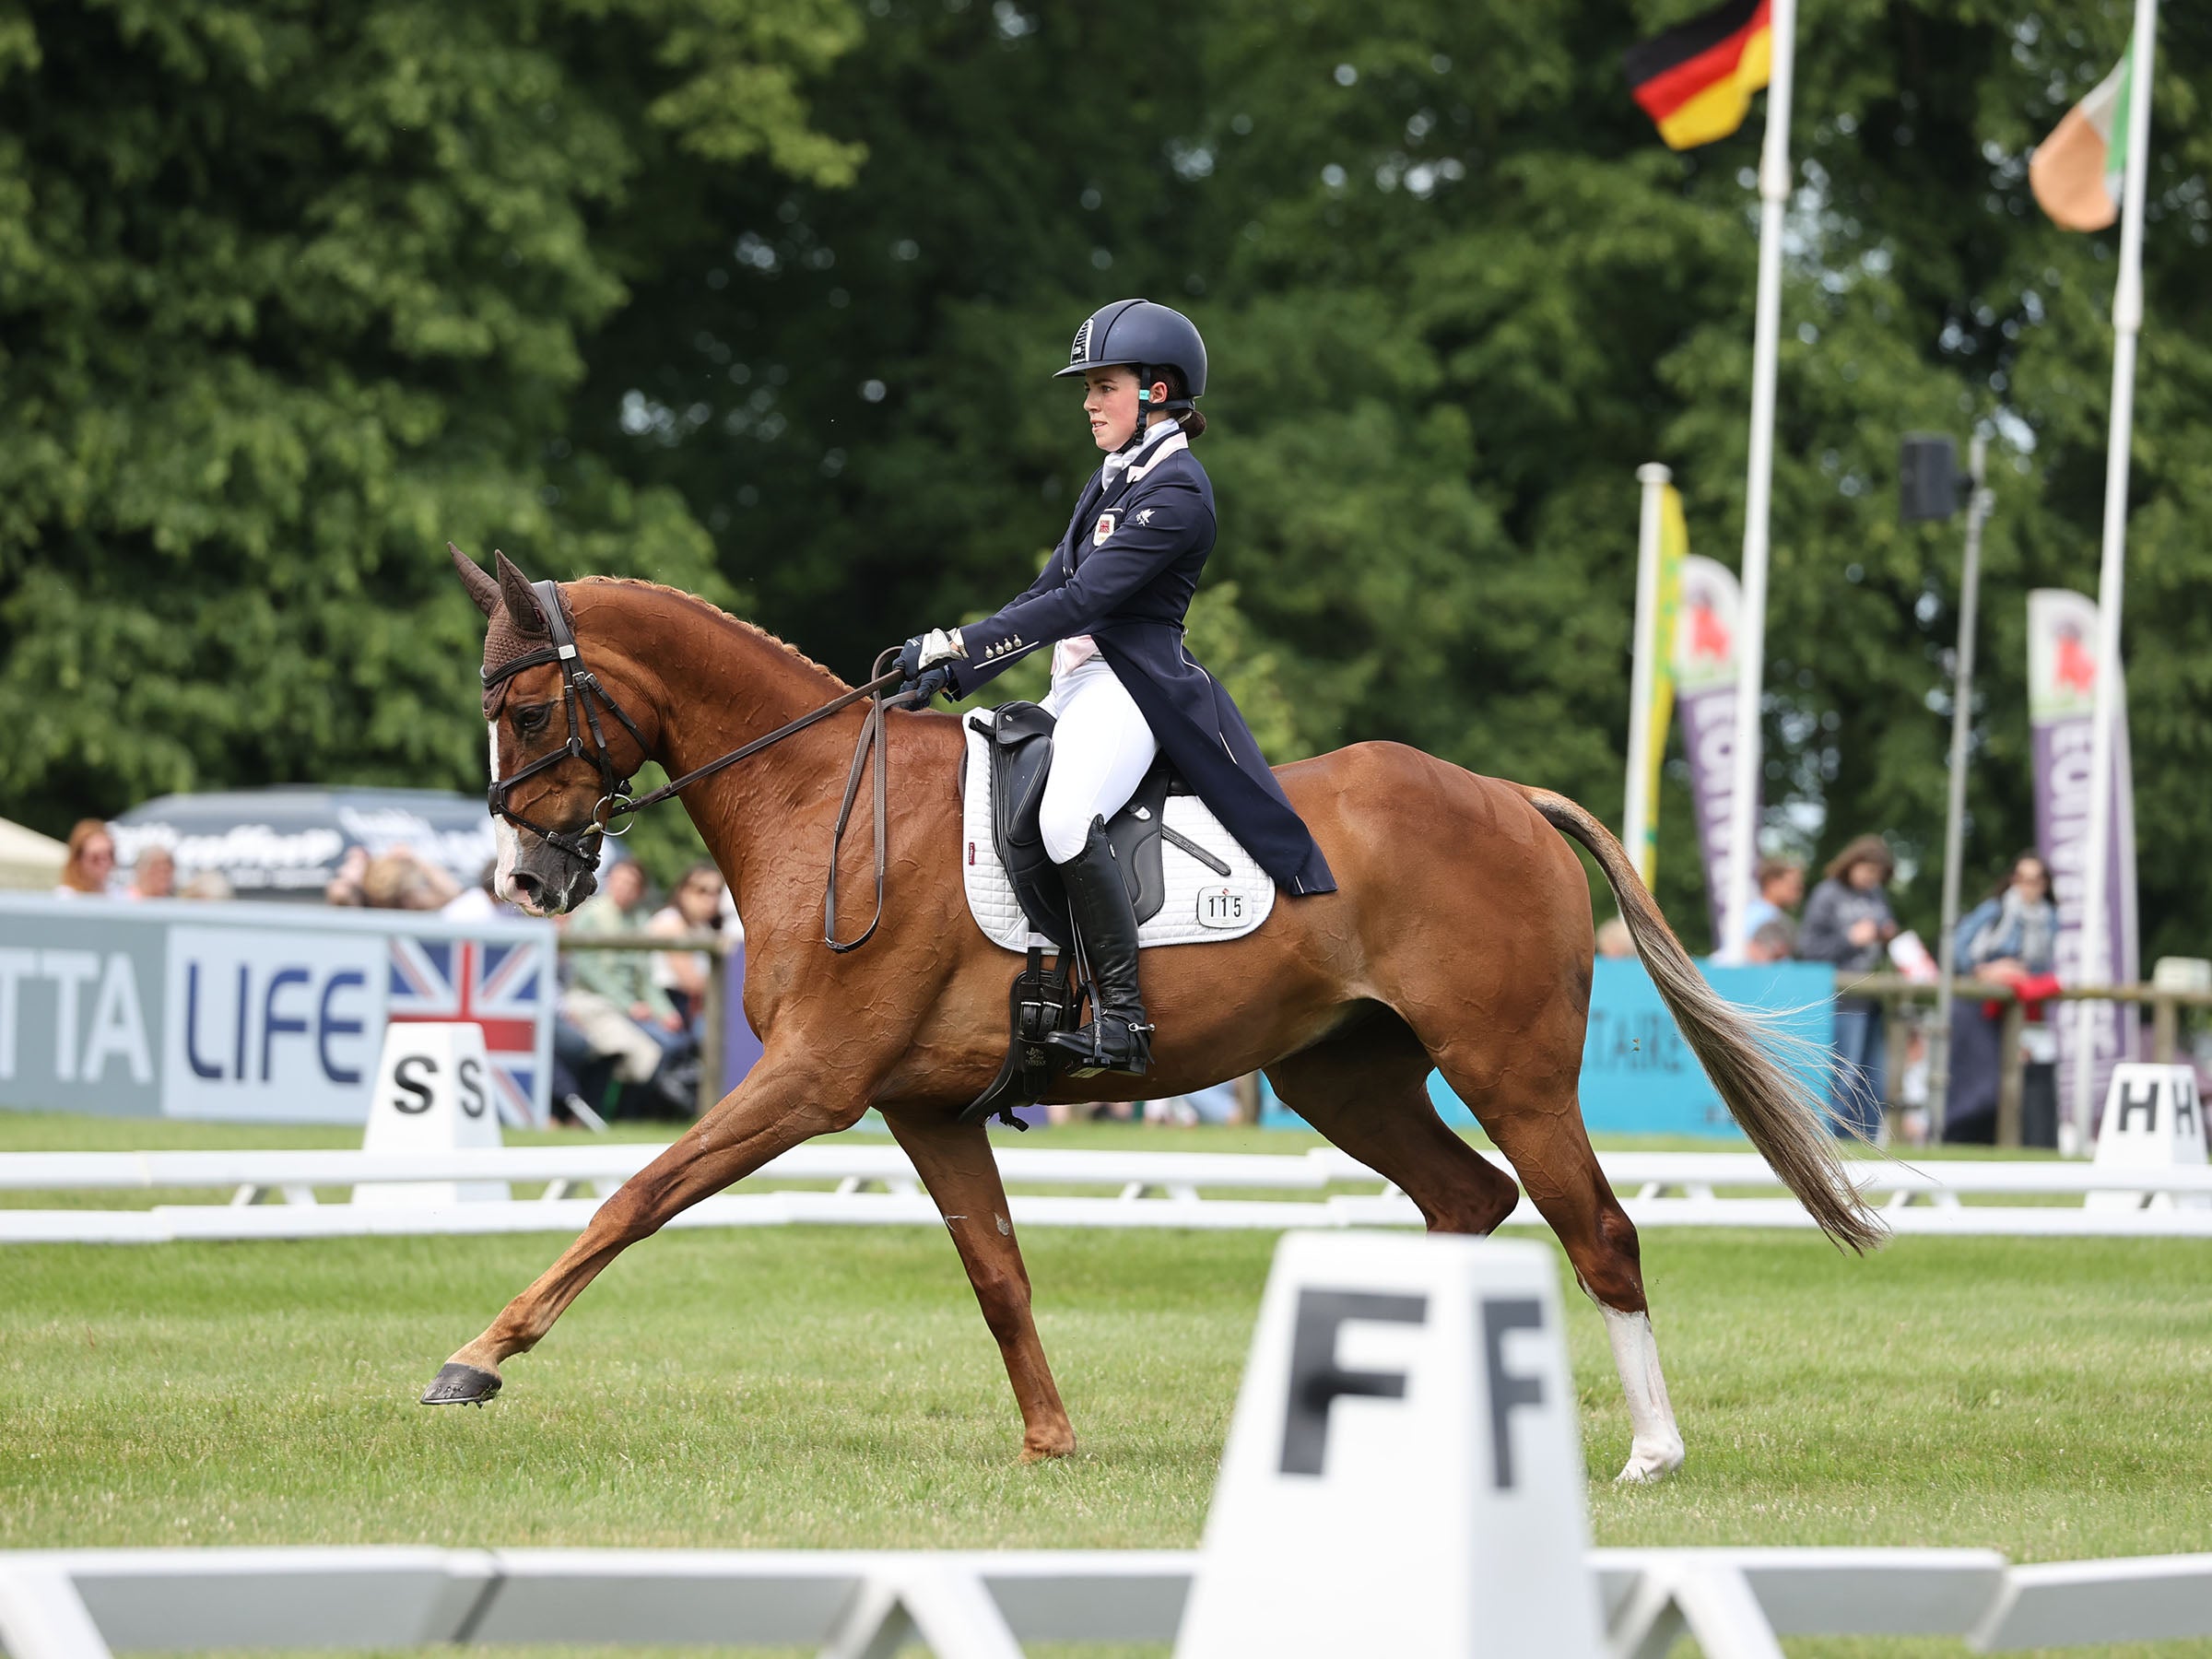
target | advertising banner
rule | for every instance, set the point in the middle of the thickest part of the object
(2062, 694)
(1705, 691)
(288, 841)
(245, 1014)
(1639, 1077)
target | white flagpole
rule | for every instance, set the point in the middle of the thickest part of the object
(1751, 628)
(1636, 815)
(2127, 321)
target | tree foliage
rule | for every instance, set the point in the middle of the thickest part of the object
(765, 294)
(290, 294)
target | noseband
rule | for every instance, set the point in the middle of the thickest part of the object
(579, 689)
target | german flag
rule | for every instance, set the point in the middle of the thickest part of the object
(1696, 80)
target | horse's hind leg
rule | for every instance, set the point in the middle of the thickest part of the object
(1538, 1123)
(957, 1166)
(1366, 1090)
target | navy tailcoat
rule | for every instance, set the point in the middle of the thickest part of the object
(1123, 574)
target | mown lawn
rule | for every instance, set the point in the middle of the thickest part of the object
(835, 1387)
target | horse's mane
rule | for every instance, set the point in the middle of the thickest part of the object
(715, 611)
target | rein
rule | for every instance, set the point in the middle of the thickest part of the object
(580, 689)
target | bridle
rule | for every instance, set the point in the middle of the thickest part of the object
(580, 693)
(616, 810)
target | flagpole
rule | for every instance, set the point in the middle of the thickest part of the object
(1751, 631)
(1954, 813)
(1643, 671)
(2127, 321)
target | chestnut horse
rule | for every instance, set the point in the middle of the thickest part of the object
(1460, 939)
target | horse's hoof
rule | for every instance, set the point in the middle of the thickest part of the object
(1045, 1450)
(1648, 1465)
(459, 1385)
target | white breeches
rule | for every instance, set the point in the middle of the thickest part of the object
(1101, 749)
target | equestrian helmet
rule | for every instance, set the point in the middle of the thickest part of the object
(1138, 333)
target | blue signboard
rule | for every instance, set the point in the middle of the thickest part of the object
(1639, 1077)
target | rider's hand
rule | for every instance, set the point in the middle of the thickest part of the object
(924, 688)
(926, 651)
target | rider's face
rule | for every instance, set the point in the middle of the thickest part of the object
(1110, 402)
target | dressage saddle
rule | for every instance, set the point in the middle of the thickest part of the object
(1021, 755)
(1044, 1000)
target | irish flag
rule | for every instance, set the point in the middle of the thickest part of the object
(2079, 172)
(1696, 80)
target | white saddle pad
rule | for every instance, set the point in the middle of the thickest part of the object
(1200, 905)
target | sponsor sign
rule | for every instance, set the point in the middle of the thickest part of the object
(2062, 693)
(1705, 695)
(1639, 1077)
(243, 1013)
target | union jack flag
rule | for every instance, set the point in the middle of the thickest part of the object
(503, 989)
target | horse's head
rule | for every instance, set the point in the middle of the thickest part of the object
(550, 769)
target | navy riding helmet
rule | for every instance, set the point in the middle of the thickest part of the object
(1138, 334)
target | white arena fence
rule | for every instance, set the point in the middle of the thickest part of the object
(865, 1605)
(1147, 1188)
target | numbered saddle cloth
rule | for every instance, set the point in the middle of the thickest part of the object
(1190, 881)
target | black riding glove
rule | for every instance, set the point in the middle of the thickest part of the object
(922, 689)
(920, 661)
(909, 659)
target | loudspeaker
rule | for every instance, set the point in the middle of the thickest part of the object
(1927, 478)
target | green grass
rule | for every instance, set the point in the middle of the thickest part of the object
(835, 1387)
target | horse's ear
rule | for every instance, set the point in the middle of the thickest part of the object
(515, 592)
(481, 587)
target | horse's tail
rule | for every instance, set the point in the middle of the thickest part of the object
(1780, 1113)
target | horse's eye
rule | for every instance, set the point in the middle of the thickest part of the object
(531, 720)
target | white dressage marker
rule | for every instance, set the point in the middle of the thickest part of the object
(1404, 1471)
(2153, 1120)
(433, 1094)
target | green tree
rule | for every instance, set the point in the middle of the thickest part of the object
(289, 296)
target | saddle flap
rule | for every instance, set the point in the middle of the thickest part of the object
(1209, 888)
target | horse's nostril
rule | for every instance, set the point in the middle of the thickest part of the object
(526, 886)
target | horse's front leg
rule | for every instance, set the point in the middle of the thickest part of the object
(790, 1095)
(955, 1162)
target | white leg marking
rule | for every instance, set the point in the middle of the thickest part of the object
(502, 833)
(1655, 1452)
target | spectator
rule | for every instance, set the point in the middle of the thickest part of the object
(211, 885)
(399, 880)
(1774, 940)
(2013, 934)
(1780, 890)
(345, 887)
(154, 875)
(1848, 922)
(612, 999)
(1614, 938)
(2011, 938)
(695, 907)
(91, 860)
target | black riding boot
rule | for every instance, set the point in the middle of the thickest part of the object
(1117, 1039)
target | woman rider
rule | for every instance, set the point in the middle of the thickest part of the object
(1111, 603)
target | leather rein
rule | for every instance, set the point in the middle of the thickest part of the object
(580, 693)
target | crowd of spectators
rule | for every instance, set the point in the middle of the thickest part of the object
(628, 1025)
(1846, 921)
